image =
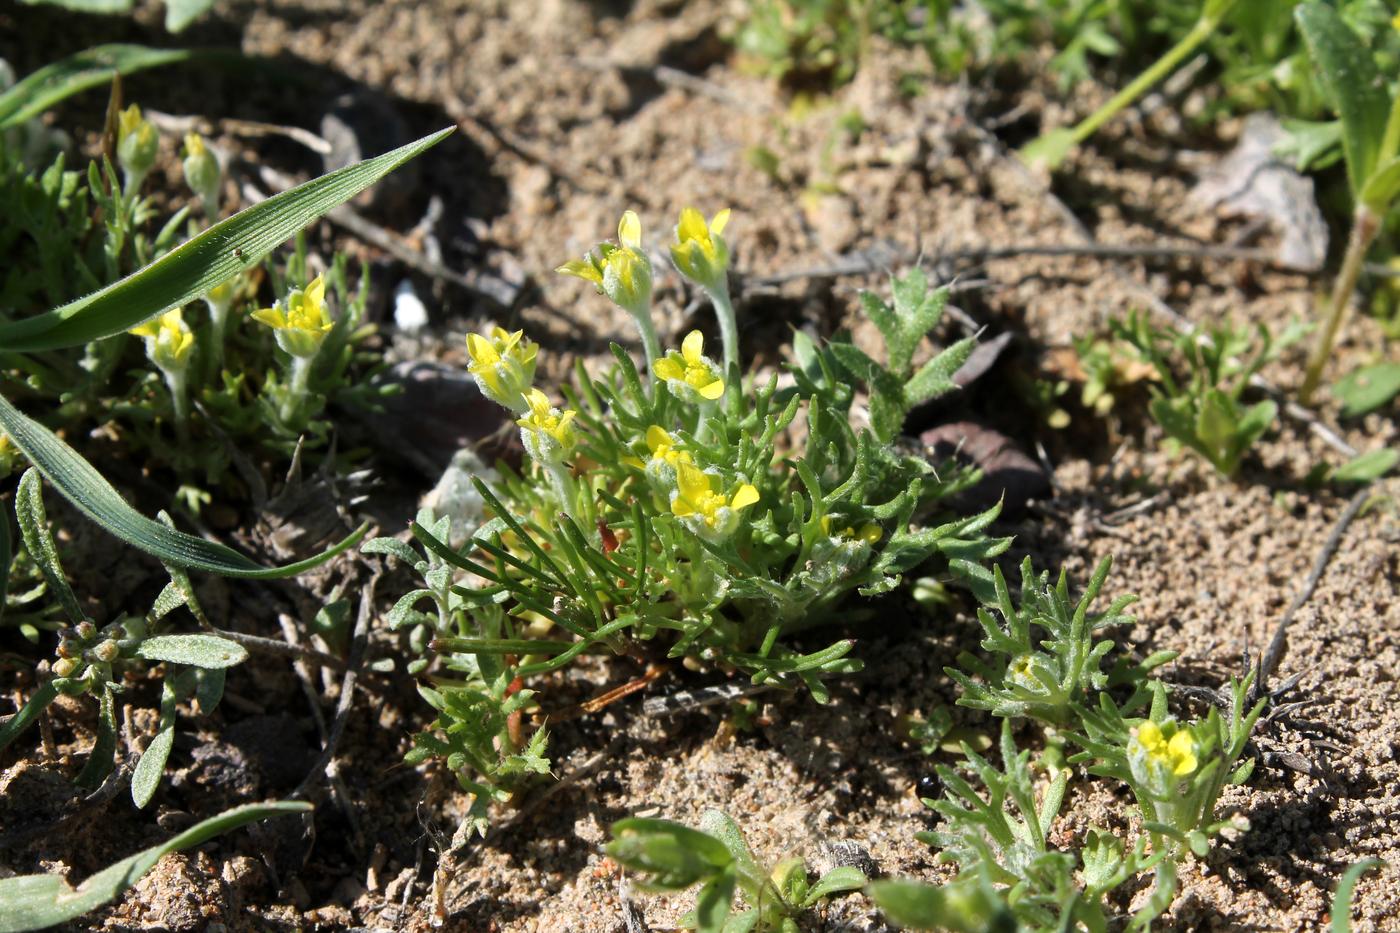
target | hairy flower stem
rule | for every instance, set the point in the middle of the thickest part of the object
(563, 486)
(728, 330)
(180, 401)
(1365, 226)
(651, 346)
(295, 399)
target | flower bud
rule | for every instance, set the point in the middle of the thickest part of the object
(85, 630)
(503, 366)
(137, 146)
(700, 252)
(106, 651)
(547, 433)
(202, 172)
(300, 323)
(169, 341)
(66, 667)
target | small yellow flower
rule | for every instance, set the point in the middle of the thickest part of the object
(169, 341)
(869, 533)
(1177, 754)
(547, 433)
(503, 365)
(202, 170)
(700, 251)
(137, 144)
(663, 447)
(9, 454)
(707, 511)
(688, 374)
(623, 273)
(301, 323)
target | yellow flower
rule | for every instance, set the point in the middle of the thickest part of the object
(688, 374)
(137, 144)
(9, 454)
(623, 273)
(547, 433)
(202, 170)
(700, 251)
(663, 446)
(869, 533)
(503, 366)
(1177, 754)
(705, 510)
(169, 341)
(301, 323)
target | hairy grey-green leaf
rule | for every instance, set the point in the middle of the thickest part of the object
(146, 777)
(197, 650)
(34, 527)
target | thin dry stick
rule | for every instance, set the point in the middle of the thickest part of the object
(1273, 655)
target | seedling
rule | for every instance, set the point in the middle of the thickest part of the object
(673, 857)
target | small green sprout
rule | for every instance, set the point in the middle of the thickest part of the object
(1204, 410)
(674, 857)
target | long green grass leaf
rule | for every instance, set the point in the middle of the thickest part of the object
(80, 483)
(34, 902)
(91, 68)
(203, 262)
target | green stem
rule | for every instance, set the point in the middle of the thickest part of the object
(563, 486)
(651, 346)
(176, 381)
(1139, 85)
(1364, 228)
(295, 398)
(728, 330)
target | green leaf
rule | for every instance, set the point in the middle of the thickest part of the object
(82, 485)
(205, 651)
(180, 13)
(882, 315)
(1367, 467)
(1354, 85)
(88, 6)
(146, 777)
(203, 262)
(713, 901)
(1049, 149)
(104, 747)
(1341, 901)
(1367, 388)
(34, 902)
(1382, 187)
(38, 701)
(935, 377)
(961, 906)
(845, 878)
(34, 527)
(92, 68)
(1311, 145)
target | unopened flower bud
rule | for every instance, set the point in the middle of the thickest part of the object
(202, 172)
(137, 146)
(66, 667)
(86, 630)
(107, 651)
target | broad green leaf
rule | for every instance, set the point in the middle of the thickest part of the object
(203, 262)
(1369, 466)
(146, 777)
(92, 68)
(1341, 901)
(198, 650)
(1311, 145)
(180, 13)
(38, 540)
(845, 878)
(1367, 388)
(961, 906)
(82, 485)
(713, 901)
(34, 902)
(1353, 84)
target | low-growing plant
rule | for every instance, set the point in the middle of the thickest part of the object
(1201, 380)
(95, 662)
(674, 857)
(1010, 874)
(674, 514)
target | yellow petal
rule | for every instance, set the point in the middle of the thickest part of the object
(717, 225)
(538, 401)
(1185, 765)
(658, 439)
(667, 368)
(870, 533)
(744, 497)
(272, 317)
(629, 230)
(712, 391)
(582, 270)
(481, 350)
(315, 292)
(693, 347)
(691, 482)
(1149, 735)
(691, 226)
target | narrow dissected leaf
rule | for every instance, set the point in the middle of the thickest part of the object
(935, 377)
(94, 67)
(34, 527)
(104, 747)
(80, 483)
(1350, 78)
(34, 902)
(205, 261)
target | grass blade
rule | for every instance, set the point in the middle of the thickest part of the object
(80, 483)
(203, 262)
(34, 902)
(91, 68)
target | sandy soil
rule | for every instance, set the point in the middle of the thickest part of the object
(572, 111)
